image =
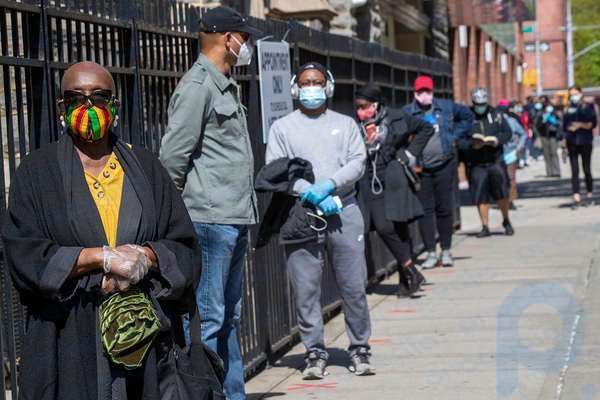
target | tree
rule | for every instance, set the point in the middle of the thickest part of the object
(587, 67)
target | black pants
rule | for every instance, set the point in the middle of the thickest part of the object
(585, 151)
(395, 235)
(437, 197)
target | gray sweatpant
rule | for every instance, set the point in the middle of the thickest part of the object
(344, 244)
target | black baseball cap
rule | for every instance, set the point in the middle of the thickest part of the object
(312, 65)
(225, 19)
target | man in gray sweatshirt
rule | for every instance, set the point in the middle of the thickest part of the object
(333, 144)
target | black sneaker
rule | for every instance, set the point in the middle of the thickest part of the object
(315, 367)
(361, 363)
(589, 202)
(575, 205)
(485, 232)
(508, 229)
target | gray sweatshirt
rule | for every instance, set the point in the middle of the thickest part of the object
(332, 142)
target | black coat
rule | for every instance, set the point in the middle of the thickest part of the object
(285, 214)
(404, 132)
(43, 234)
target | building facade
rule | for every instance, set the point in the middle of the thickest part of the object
(551, 17)
(414, 26)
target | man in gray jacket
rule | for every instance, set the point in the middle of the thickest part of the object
(333, 144)
(207, 152)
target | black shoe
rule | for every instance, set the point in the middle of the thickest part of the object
(420, 277)
(409, 283)
(485, 232)
(508, 229)
(512, 206)
(575, 205)
(361, 363)
(589, 202)
(315, 367)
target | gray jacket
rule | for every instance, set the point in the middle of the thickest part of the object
(207, 149)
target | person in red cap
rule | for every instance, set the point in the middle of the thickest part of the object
(452, 122)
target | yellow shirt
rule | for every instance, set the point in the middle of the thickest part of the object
(106, 189)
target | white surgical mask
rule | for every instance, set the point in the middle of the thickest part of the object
(244, 57)
(549, 109)
(576, 98)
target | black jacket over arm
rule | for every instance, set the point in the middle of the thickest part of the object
(61, 352)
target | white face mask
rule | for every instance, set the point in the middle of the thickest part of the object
(576, 98)
(244, 57)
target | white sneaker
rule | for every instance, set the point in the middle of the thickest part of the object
(447, 260)
(431, 261)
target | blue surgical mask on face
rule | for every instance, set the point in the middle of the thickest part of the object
(480, 109)
(312, 97)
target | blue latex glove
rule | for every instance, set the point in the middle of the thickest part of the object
(430, 118)
(329, 206)
(316, 193)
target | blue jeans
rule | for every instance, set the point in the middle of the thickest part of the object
(219, 297)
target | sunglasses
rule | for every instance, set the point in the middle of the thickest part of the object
(99, 98)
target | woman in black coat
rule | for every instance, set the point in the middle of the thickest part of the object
(92, 219)
(394, 141)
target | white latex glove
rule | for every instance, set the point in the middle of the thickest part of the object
(126, 263)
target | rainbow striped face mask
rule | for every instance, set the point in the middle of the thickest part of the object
(89, 117)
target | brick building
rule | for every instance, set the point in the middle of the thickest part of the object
(551, 19)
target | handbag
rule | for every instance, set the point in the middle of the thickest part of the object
(181, 375)
(414, 181)
(193, 372)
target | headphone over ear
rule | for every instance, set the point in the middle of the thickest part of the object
(329, 87)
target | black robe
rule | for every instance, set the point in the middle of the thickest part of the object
(51, 218)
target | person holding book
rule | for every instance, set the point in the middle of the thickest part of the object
(488, 179)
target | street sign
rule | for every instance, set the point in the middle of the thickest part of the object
(275, 76)
(528, 29)
(544, 47)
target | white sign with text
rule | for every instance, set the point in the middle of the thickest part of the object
(275, 76)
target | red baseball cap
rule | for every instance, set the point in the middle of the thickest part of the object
(423, 82)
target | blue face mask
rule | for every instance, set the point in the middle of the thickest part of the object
(481, 109)
(312, 97)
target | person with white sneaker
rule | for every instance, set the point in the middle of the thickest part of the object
(452, 122)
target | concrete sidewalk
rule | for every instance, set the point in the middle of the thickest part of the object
(443, 345)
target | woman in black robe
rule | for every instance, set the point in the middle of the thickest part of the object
(54, 236)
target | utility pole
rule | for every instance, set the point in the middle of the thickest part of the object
(538, 57)
(570, 58)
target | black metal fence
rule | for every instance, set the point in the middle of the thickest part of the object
(148, 45)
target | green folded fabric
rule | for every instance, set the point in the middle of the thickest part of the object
(128, 325)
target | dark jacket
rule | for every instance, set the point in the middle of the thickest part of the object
(285, 214)
(548, 124)
(404, 133)
(582, 113)
(489, 124)
(454, 120)
(51, 217)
